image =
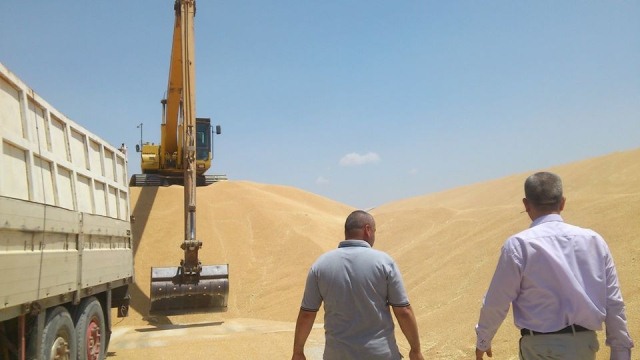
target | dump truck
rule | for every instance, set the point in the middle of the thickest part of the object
(66, 254)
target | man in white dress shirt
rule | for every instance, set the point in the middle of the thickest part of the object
(562, 282)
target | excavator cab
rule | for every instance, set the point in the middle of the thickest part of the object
(155, 172)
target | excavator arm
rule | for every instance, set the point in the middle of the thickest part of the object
(190, 287)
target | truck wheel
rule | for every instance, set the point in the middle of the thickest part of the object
(90, 330)
(58, 336)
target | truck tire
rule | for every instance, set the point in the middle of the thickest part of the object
(58, 336)
(90, 330)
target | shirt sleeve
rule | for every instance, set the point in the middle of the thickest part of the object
(502, 291)
(311, 300)
(396, 292)
(616, 320)
(620, 354)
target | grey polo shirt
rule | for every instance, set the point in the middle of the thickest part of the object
(357, 284)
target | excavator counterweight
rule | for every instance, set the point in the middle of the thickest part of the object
(182, 158)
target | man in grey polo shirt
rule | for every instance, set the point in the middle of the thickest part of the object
(358, 285)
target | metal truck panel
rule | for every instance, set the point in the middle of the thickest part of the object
(49, 270)
(47, 158)
(104, 266)
(41, 258)
(28, 217)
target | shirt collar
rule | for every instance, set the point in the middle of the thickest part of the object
(546, 218)
(353, 243)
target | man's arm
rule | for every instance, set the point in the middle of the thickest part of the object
(304, 324)
(503, 289)
(617, 333)
(409, 326)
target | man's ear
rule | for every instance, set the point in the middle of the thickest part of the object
(525, 202)
(562, 202)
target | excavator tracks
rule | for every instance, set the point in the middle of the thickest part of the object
(138, 180)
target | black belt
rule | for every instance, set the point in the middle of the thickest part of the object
(568, 330)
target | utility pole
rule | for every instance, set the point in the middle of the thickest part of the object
(139, 147)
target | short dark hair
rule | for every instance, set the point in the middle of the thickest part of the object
(357, 220)
(544, 190)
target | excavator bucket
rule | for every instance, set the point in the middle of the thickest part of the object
(176, 293)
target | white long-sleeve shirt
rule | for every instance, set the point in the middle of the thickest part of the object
(556, 275)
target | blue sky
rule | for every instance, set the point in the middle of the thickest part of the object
(364, 102)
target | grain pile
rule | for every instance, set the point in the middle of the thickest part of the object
(446, 244)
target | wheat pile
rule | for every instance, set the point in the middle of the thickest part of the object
(446, 245)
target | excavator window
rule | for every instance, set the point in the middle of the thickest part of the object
(203, 139)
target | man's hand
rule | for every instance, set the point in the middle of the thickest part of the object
(415, 355)
(298, 356)
(479, 353)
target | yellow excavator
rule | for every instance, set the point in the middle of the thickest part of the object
(164, 164)
(182, 157)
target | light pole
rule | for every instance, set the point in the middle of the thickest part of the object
(139, 147)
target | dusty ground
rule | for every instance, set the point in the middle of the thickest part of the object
(446, 244)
